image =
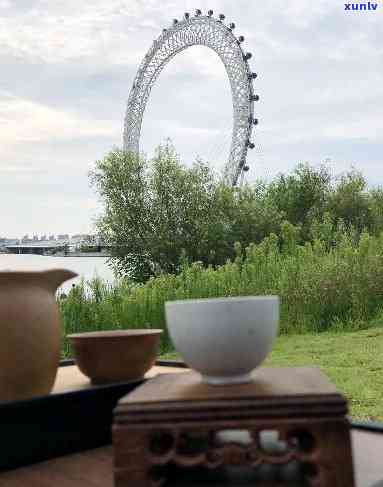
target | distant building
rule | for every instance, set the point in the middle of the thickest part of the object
(64, 236)
(35, 238)
(80, 237)
(43, 238)
(52, 237)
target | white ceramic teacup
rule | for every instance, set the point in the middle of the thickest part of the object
(224, 338)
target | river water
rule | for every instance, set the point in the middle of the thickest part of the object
(86, 267)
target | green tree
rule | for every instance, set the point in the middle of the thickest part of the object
(375, 198)
(120, 179)
(350, 201)
(251, 215)
(157, 212)
(302, 195)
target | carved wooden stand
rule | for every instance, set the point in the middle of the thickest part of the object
(170, 428)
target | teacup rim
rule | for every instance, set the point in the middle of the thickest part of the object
(117, 333)
(218, 300)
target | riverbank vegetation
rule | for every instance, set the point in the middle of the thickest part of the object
(312, 239)
(181, 232)
(322, 287)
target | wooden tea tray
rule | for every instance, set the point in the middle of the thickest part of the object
(76, 416)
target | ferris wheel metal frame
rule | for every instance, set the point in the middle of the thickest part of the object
(213, 33)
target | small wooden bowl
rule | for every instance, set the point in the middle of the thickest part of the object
(115, 356)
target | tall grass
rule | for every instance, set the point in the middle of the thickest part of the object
(321, 287)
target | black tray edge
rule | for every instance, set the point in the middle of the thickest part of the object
(54, 425)
(371, 426)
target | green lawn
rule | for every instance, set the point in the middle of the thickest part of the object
(353, 361)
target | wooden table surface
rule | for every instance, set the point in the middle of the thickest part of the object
(94, 468)
(70, 378)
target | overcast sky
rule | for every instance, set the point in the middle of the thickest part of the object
(67, 67)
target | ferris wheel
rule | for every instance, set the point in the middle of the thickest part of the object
(213, 33)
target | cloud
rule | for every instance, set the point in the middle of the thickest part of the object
(23, 121)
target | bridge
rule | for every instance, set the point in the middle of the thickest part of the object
(52, 246)
(39, 248)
